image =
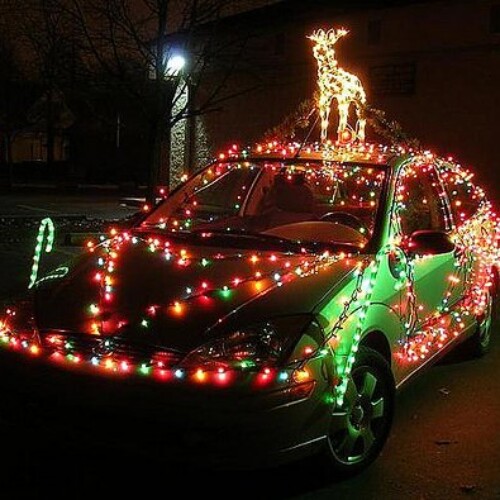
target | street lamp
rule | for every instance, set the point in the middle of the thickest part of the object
(175, 64)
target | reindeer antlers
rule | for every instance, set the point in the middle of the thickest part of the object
(330, 37)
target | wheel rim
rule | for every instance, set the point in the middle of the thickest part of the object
(355, 429)
(485, 326)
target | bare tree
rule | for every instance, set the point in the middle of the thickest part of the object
(11, 110)
(133, 45)
(13, 98)
(126, 48)
(45, 28)
(41, 57)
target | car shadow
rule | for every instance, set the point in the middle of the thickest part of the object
(88, 469)
(459, 354)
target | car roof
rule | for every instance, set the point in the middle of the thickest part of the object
(366, 153)
(383, 156)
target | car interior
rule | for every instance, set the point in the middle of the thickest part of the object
(293, 202)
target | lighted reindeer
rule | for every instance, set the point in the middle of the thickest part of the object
(336, 83)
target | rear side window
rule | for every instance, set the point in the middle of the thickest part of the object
(465, 197)
(420, 200)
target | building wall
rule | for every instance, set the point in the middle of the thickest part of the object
(456, 98)
(433, 66)
(29, 147)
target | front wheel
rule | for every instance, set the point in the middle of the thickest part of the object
(359, 429)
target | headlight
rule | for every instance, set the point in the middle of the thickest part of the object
(266, 343)
(255, 345)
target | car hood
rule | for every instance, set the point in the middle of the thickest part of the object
(178, 296)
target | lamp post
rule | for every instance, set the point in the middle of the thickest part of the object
(166, 78)
(179, 133)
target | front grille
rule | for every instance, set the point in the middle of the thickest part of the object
(101, 348)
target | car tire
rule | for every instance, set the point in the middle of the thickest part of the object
(359, 429)
(481, 340)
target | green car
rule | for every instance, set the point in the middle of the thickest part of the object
(268, 309)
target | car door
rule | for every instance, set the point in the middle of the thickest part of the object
(465, 200)
(433, 286)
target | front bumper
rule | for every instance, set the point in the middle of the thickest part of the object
(239, 426)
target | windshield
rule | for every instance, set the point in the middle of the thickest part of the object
(327, 202)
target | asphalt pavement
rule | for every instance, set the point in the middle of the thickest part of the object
(445, 442)
(54, 204)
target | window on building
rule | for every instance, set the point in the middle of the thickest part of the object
(374, 31)
(495, 19)
(393, 79)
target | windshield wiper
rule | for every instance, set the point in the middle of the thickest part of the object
(295, 246)
(243, 233)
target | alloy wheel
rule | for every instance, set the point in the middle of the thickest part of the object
(355, 429)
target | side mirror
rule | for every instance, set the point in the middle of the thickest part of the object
(429, 242)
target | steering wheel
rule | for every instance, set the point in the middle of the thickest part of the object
(346, 219)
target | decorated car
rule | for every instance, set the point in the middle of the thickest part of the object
(273, 304)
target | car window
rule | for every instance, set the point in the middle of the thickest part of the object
(348, 194)
(420, 200)
(224, 195)
(465, 198)
(323, 200)
(215, 194)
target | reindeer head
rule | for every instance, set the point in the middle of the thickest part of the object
(327, 38)
(324, 42)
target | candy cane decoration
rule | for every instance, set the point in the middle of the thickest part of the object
(49, 225)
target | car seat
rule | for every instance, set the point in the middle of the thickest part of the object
(293, 195)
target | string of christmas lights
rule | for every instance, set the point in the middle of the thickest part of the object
(475, 228)
(417, 345)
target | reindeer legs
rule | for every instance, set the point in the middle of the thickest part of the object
(343, 115)
(361, 123)
(325, 104)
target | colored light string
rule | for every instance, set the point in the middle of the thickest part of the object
(46, 233)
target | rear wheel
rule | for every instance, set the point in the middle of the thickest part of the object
(359, 429)
(481, 340)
